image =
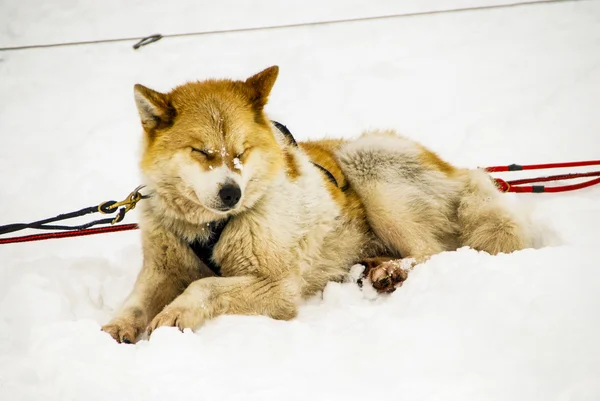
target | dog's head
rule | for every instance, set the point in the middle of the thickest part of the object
(210, 143)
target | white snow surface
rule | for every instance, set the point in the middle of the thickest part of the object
(481, 88)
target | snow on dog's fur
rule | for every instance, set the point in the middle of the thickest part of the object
(210, 153)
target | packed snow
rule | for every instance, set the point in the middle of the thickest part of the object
(512, 85)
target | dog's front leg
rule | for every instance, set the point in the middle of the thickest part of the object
(246, 295)
(169, 267)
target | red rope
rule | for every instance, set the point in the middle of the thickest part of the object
(554, 178)
(573, 187)
(506, 187)
(517, 167)
(66, 234)
(517, 185)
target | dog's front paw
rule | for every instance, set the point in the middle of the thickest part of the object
(181, 316)
(127, 326)
(387, 276)
(123, 331)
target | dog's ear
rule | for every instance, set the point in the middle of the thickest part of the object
(154, 107)
(262, 83)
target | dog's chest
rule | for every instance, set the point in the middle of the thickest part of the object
(285, 231)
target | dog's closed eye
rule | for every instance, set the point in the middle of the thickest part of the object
(242, 153)
(205, 153)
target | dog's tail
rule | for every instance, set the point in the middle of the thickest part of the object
(488, 222)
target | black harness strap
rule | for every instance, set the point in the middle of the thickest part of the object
(204, 249)
(286, 132)
(330, 176)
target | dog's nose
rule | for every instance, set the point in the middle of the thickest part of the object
(230, 195)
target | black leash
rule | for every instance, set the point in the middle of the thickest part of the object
(109, 207)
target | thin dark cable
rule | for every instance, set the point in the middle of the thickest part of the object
(300, 24)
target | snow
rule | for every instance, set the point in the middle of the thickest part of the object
(481, 88)
(237, 164)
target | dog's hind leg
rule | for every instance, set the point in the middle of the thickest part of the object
(486, 220)
(406, 193)
(405, 226)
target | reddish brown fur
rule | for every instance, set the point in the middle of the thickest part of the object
(322, 153)
(199, 130)
(291, 165)
(429, 158)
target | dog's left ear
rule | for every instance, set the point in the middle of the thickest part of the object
(262, 83)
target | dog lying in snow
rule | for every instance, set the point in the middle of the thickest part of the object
(283, 218)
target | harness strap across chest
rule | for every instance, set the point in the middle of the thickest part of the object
(204, 249)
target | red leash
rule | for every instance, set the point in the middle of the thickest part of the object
(67, 234)
(517, 185)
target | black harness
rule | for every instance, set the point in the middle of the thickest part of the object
(204, 249)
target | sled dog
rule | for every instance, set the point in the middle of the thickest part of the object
(280, 219)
